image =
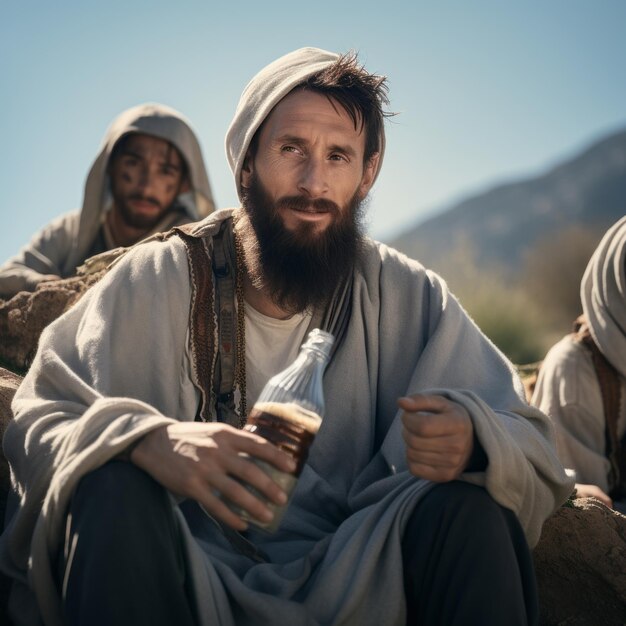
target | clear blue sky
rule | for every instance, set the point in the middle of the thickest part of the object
(486, 91)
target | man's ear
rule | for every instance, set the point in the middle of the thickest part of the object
(246, 170)
(369, 173)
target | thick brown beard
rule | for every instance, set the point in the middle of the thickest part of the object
(299, 269)
(135, 220)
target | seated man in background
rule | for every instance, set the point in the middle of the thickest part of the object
(582, 381)
(429, 477)
(148, 176)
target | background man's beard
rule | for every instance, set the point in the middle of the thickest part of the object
(137, 220)
(300, 269)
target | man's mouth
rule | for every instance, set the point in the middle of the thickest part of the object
(144, 204)
(304, 205)
(309, 209)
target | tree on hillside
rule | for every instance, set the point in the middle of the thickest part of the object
(494, 299)
(552, 273)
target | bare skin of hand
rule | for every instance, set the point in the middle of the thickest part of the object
(196, 460)
(439, 437)
(593, 491)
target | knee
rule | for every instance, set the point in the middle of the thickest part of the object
(460, 499)
(458, 521)
(116, 486)
(466, 509)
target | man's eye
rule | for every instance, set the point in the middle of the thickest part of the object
(290, 149)
(338, 157)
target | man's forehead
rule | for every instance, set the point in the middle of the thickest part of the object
(143, 144)
(302, 109)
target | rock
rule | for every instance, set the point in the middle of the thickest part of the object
(23, 317)
(580, 562)
(9, 383)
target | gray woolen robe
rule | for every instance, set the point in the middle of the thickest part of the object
(116, 365)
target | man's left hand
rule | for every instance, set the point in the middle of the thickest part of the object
(439, 437)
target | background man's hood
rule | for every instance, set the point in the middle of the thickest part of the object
(151, 119)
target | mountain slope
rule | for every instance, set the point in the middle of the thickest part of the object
(502, 225)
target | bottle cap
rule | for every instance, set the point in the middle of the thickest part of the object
(319, 340)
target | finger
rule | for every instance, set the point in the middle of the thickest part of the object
(242, 497)
(217, 508)
(430, 425)
(420, 402)
(450, 443)
(435, 474)
(250, 473)
(261, 448)
(425, 424)
(595, 492)
(434, 459)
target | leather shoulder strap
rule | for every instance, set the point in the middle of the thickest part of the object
(202, 322)
(213, 320)
(611, 391)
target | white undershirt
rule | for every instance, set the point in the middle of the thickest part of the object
(271, 345)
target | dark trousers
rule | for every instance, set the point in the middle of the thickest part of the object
(122, 562)
(466, 561)
(465, 558)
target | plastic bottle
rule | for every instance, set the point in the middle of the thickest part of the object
(288, 413)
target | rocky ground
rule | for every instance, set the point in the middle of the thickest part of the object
(23, 317)
(581, 566)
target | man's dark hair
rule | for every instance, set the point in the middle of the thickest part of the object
(120, 147)
(362, 95)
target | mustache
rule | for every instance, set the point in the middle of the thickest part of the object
(141, 198)
(302, 203)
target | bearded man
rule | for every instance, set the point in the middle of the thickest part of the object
(148, 176)
(426, 483)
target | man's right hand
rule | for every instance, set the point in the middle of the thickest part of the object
(593, 491)
(196, 460)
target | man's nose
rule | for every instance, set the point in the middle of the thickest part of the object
(146, 178)
(313, 178)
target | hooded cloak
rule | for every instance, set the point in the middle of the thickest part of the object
(65, 243)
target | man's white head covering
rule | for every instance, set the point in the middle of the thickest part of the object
(264, 92)
(603, 295)
(159, 121)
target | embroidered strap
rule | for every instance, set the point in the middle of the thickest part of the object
(213, 329)
(224, 270)
(611, 390)
(202, 326)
